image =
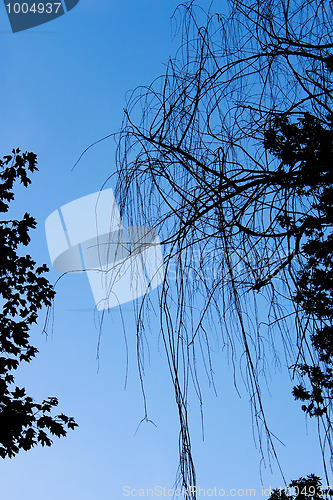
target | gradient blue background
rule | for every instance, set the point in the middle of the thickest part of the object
(63, 86)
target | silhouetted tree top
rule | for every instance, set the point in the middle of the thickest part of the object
(24, 291)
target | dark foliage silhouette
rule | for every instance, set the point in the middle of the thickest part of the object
(24, 291)
(309, 488)
(309, 145)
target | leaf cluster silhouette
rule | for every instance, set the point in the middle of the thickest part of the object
(24, 290)
(303, 488)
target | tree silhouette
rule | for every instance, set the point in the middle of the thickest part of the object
(231, 162)
(309, 488)
(24, 291)
(310, 145)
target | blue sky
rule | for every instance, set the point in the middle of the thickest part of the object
(64, 86)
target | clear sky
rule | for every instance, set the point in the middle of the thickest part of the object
(63, 86)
